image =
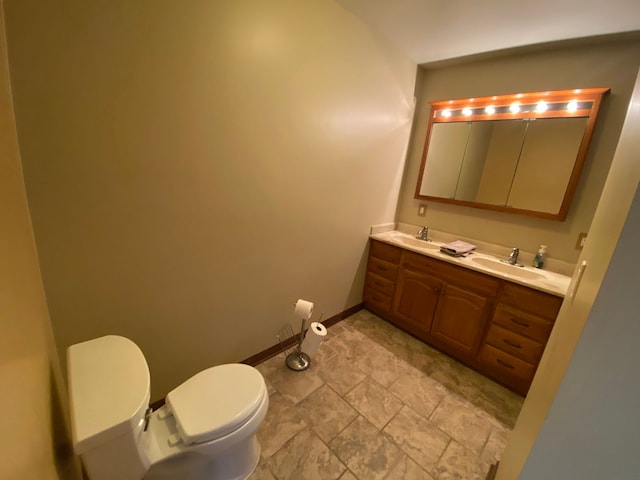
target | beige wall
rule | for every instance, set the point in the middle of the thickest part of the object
(603, 64)
(30, 381)
(193, 168)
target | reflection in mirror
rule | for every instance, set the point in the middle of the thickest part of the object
(518, 153)
(500, 165)
(546, 163)
(444, 161)
(473, 162)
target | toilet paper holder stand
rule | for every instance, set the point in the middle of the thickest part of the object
(296, 360)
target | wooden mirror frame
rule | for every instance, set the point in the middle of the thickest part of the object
(473, 109)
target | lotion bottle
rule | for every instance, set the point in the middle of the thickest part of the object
(538, 260)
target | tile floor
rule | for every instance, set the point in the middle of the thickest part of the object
(378, 404)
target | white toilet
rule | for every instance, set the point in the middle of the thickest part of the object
(206, 430)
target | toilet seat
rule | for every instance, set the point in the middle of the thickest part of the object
(216, 401)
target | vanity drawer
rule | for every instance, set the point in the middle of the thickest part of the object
(514, 344)
(383, 268)
(377, 300)
(504, 365)
(523, 323)
(385, 251)
(543, 304)
(379, 284)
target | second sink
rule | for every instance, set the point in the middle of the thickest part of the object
(508, 269)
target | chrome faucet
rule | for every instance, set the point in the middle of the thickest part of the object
(423, 234)
(512, 259)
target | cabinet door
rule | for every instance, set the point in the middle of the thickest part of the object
(415, 300)
(459, 321)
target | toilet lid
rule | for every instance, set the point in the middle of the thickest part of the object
(216, 401)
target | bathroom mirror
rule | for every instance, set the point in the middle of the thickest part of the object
(520, 153)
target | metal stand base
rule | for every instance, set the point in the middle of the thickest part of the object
(298, 361)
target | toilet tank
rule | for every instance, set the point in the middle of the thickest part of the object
(109, 390)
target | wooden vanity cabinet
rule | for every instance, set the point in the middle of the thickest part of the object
(497, 327)
(445, 305)
(517, 335)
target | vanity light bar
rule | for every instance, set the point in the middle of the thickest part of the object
(526, 105)
(514, 109)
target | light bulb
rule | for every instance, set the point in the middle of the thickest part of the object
(466, 111)
(446, 113)
(541, 106)
(514, 107)
(490, 110)
(572, 106)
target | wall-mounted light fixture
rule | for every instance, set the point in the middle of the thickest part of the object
(574, 103)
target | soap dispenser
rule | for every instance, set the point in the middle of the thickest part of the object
(538, 260)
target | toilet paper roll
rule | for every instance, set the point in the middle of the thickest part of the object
(304, 309)
(314, 337)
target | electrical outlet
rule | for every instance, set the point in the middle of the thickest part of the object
(422, 210)
(581, 239)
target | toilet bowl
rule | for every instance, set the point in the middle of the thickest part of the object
(206, 429)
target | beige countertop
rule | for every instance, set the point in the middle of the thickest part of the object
(539, 279)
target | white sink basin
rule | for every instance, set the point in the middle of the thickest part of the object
(414, 242)
(512, 270)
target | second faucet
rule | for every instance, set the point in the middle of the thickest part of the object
(423, 234)
(512, 259)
